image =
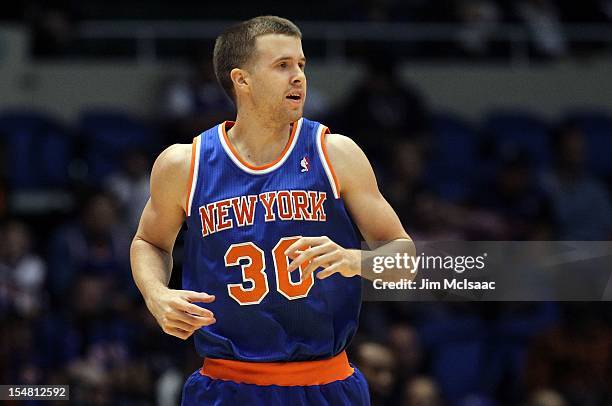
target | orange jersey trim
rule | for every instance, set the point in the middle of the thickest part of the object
(300, 373)
(191, 170)
(248, 165)
(324, 132)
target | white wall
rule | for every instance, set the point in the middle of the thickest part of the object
(66, 88)
(549, 89)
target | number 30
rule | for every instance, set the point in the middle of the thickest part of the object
(254, 272)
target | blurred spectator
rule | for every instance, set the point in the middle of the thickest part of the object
(421, 391)
(382, 109)
(435, 220)
(195, 104)
(406, 179)
(542, 18)
(97, 243)
(20, 352)
(516, 197)
(108, 364)
(53, 31)
(574, 358)
(169, 387)
(477, 399)
(111, 350)
(406, 346)
(22, 273)
(130, 186)
(378, 365)
(581, 204)
(546, 397)
(478, 19)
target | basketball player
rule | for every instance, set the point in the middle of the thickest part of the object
(271, 256)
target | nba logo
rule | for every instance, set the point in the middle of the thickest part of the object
(305, 164)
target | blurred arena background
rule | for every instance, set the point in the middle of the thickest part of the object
(484, 119)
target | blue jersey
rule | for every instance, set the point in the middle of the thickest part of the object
(241, 219)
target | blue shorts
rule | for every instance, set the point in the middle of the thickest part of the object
(203, 390)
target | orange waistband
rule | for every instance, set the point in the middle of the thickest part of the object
(300, 373)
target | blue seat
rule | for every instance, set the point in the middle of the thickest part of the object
(38, 149)
(514, 331)
(107, 135)
(458, 366)
(458, 351)
(514, 131)
(452, 168)
(597, 127)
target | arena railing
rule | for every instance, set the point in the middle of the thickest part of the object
(336, 35)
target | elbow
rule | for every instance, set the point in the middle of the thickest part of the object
(140, 241)
(136, 242)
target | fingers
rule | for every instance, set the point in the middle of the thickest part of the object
(304, 242)
(180, 318)
(182, 325)
(310, 253)
(178, 324)
(200, 297)
(182, 304)
(325, 260)
(177, 332)
(194, 309)
(191, 320)
(329, 271)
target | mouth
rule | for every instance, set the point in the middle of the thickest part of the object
(295, 97)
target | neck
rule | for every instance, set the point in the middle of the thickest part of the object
(259, 141)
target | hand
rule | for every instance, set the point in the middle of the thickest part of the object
(176, 314)
(322, 252)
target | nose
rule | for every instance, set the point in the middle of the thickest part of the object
(299, 77)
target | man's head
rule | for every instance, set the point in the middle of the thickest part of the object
(569, 146)
(260, 63)
(421, 391)
(378, 365)
(99, 214)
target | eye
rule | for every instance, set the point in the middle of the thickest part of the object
(283, 64)
(302, 66)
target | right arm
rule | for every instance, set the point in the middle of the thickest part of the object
(151, 249)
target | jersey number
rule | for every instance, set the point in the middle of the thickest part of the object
(254, 276)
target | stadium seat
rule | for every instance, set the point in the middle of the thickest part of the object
(457, 367)
(457, 346)
(512, 132)
(38, 149)
(107, 135)
(597, 127)
(452, 167)
(513, 332)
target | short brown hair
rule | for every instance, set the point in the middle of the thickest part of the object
(235, 47)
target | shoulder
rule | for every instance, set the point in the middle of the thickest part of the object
(344, 153)
(341, 146)
(171, 172)
(174, 160)
(347, 159)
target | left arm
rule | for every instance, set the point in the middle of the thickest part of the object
(372, 214)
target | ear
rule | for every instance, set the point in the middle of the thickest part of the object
(241, 79)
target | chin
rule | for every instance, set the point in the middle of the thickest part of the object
(295, 115)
